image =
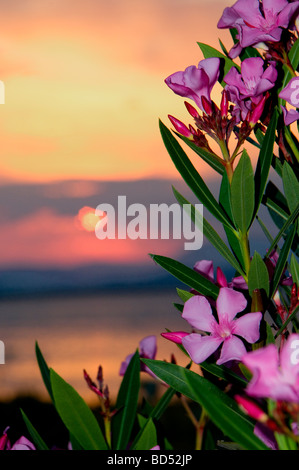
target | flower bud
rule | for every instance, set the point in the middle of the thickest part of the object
(175, 336)
(180, 127)
(206, 106)
(255, 115)
(224, 104)
(191, 110)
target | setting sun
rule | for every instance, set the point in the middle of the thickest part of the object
(87, 219)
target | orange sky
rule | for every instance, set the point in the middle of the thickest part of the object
(84, 84)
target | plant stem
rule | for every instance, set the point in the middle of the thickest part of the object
(199, 425)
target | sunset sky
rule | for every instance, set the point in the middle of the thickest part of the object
(84, 90)
(85, 83)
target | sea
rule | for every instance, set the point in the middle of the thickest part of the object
(82, 331)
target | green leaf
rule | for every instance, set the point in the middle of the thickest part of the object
(264, 161)
(37, 440)
(208, 157)
(126, 403)
(283, 231)
(44, 369)
(225, 196)
(147, 438)
(209, 52)
(190, 175)
(211, 234)
(282, 260)
(184, 294)
(242, 193)
(258, 277)
(223, 373)
(222, 409)
(270, 339)
(76, 415)
(295, 269)
(290, 186)
(188, 276)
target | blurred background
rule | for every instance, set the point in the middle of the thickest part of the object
(84, 90)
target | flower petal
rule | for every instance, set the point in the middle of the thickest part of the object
(229, 303)
(148, 347)
(248, 326)
(200, 347)
(198, 313)
(205, 268)
(232, 349)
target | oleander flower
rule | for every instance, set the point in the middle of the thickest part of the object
(258, 21)
(248, 87)
(206, 269)
(291, 94)
(147, 350)
(196, 82)
(198, 312)
(275, 374)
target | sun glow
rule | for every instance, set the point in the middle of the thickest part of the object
(87, 219)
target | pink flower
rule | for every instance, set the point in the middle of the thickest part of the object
(196, 82)
(275, 375)
(248, 86)
(175, 336)
(258, 21)
(147, 350)
(291, 94)
(21, 444)
(198, 312)
(206, 269)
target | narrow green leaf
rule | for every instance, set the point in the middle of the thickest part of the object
(283, 231)
(264, 161)
(44, 369)
(147, 438)
(282, 260)
(37, 440)
(211, 234)
(184, 294)
(76, 415)
(242, 193)
(222, 409)
(289, 319)
(270, 338)
(295, 269)
(190, 175)
(126, 403)
(223, 373)
(188, 276)
(208, 157)
(258, 277)
(225, 196)
(290, 186)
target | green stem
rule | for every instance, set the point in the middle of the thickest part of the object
(107, 426)
(244, 244)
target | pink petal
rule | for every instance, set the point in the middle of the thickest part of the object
(229, 303)
(200, 347)
(232, 349)
(148, 347)
(263, 363)
(205, 268)
(198, 313)
(248, 326)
